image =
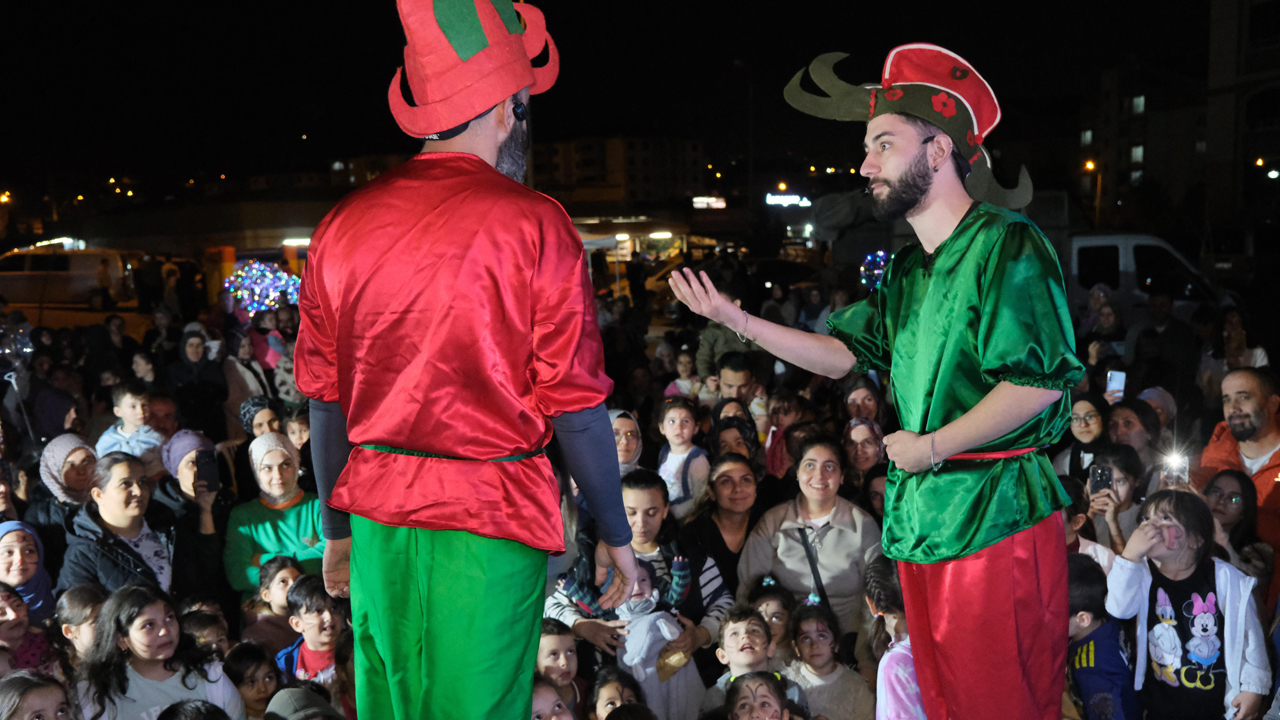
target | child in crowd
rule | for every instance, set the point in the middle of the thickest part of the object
(140, 662)
(1076, 523)
(1101, 678)
(193, 710)
(672, 690)
(587, 597)
(28, 645)
(298, 427)
(1115, 509)
(547, 703)
(203, 603)
(130, 433)
(558, 662)
(319, 619)
(255, 676)
(758, 695)
(784, 411)
(745, 645)
(684, 467)
(897, 691)
(26, 695)
(832, 689)
(775, 604)
(1201, 649)
(612, 689)
(269, 612)
(209, 630)
(77, 613)
(686, 384)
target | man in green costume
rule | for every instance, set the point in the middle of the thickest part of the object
(973, 325)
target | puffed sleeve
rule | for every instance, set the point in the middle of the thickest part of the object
(860, 327)
(1025, 335)
(315, 355)
(568, 355)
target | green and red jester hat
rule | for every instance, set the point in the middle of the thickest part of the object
(927, 82)
(463, 57)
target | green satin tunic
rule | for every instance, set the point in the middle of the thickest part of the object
(989, 306)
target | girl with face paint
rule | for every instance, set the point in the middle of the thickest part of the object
(1197, 620)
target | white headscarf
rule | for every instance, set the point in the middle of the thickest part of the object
(634, 462)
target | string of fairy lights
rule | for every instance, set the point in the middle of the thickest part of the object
(259, 285)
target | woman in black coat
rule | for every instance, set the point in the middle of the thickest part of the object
(122, 538)
(199, 387)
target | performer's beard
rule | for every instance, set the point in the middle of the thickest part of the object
(905, 193)
(514, 151)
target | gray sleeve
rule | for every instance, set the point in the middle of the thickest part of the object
(329, 452)
(586, 440)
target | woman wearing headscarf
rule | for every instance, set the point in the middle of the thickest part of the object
(66, 469)
(1090, 415)
(199, 387)
(284, 520)
(22, 567)
(258, 415)
(245, 379)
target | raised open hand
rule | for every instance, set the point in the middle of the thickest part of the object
(700, 294)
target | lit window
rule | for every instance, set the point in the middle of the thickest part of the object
(1139, 104)
(337, 165)
(1135, 177)
(1202, 146)
(1086, 138)
(1135, 154)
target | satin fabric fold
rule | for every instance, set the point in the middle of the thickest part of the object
(448, 310)
(988, 631)
(988, 307)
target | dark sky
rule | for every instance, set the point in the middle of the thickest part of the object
(175, 90)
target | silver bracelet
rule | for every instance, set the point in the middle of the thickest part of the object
(936, 465)
(745, 319)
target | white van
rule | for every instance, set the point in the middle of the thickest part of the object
(52, 275)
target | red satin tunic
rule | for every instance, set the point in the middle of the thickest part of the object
(448, 310)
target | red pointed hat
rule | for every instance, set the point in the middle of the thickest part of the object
(925, 81)
(919, 79)
(466, 56)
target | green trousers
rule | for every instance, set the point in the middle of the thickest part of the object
(446, 623)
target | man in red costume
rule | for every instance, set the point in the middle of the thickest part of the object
(447, 325)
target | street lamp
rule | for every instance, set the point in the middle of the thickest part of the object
(782, 186)
(1091, 166)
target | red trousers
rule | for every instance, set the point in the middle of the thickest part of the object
(989, 631)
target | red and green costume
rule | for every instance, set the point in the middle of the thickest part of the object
(447, 311)
(981, 549)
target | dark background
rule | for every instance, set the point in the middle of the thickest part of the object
(188, 89)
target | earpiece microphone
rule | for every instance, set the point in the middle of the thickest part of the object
(520, 111)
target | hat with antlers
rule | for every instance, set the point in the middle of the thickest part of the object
(927, 82)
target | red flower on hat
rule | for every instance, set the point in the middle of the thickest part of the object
(944, 104)
(894, 94)
(959, 73)
(973, 139)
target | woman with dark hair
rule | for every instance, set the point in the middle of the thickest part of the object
(1136, 424)
(733, 434)
(245, 379)
(1090, 420)
(140, 663)
(1115, 508)
(863, 442)
(199, 387)
(863, 398)
(120, 537)
(871, 495)
(731, 407)
(1233, 499)
(841, 537)
(723, 518)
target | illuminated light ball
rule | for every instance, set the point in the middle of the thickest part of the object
(873, 268)
(259, 285)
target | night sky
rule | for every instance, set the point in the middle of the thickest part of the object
(162, 92)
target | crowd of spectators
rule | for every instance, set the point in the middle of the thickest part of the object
(160, 541)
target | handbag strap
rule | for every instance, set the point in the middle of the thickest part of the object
(812, 554)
